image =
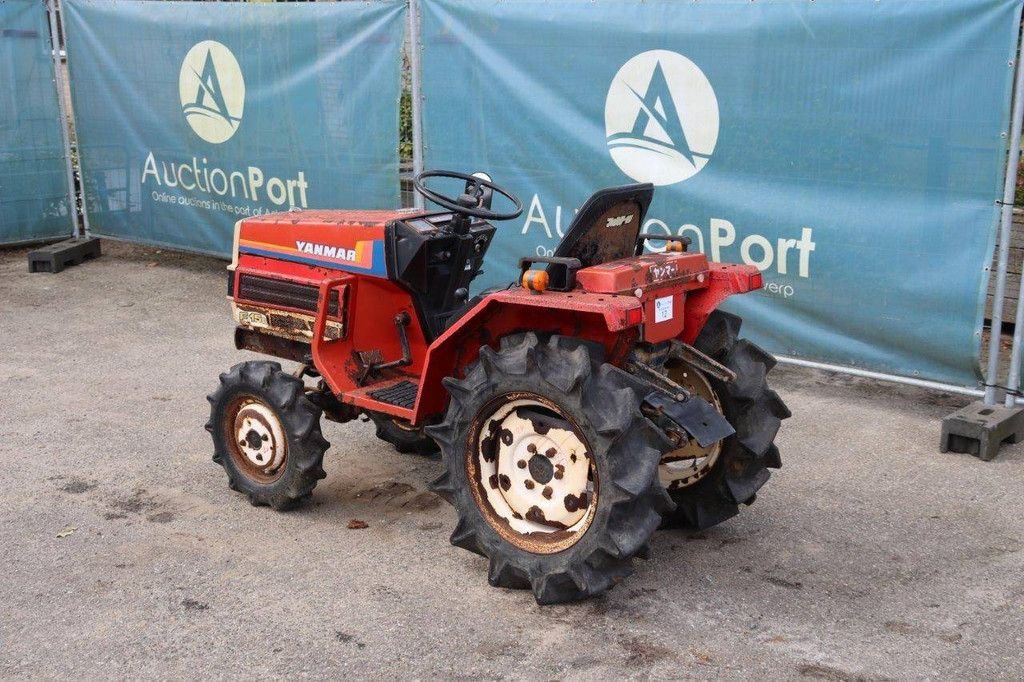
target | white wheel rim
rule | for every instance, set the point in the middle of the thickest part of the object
(687, 465)
(260, 437)
(533, 469)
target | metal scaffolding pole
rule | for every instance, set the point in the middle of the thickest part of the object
(983, 426)
(1013, 378)
(58, 72)
(882, 376)
(1005, 231)
(416, 95)
(83, 207)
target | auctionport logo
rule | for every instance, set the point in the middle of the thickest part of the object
(212, 94)
(212, 91)
(661, 118)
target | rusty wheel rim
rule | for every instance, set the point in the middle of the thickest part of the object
(685, 466)
(533, 476)
(256, 439)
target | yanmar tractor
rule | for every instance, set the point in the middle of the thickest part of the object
(576, 410)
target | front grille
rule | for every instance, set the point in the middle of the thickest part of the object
(280, 292)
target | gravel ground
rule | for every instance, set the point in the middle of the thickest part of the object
(869, 555)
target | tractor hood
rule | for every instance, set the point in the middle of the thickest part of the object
(352, 241)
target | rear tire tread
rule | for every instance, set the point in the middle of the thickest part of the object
(754, 410)
(628, 443)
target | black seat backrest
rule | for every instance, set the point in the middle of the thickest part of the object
(606, 227)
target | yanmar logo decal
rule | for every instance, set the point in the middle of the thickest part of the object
(338, 252)
(667, 271)
(360, 256)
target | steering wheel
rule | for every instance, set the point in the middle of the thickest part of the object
(469, 203)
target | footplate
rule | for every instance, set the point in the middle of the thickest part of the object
(696, 416)
(402, 394)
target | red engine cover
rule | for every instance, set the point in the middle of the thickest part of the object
(352, 241)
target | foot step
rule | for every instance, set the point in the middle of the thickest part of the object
(402, 394)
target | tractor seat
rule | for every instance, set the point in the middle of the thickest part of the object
(606, 227)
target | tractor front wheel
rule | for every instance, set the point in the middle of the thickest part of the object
(551, 467)
(266, 434)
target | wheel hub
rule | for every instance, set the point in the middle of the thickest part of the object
(260, 437)
(541, 469)
(253, 439)
(535, 472)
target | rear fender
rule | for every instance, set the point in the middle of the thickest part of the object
(724, 280)
(609, 322)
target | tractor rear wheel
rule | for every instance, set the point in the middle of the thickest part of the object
(551, 467)
(266, 434)
(406, 438)
(709, 484)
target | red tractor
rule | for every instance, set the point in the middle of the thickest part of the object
(578, 409)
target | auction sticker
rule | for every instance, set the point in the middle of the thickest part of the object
(662, 309)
